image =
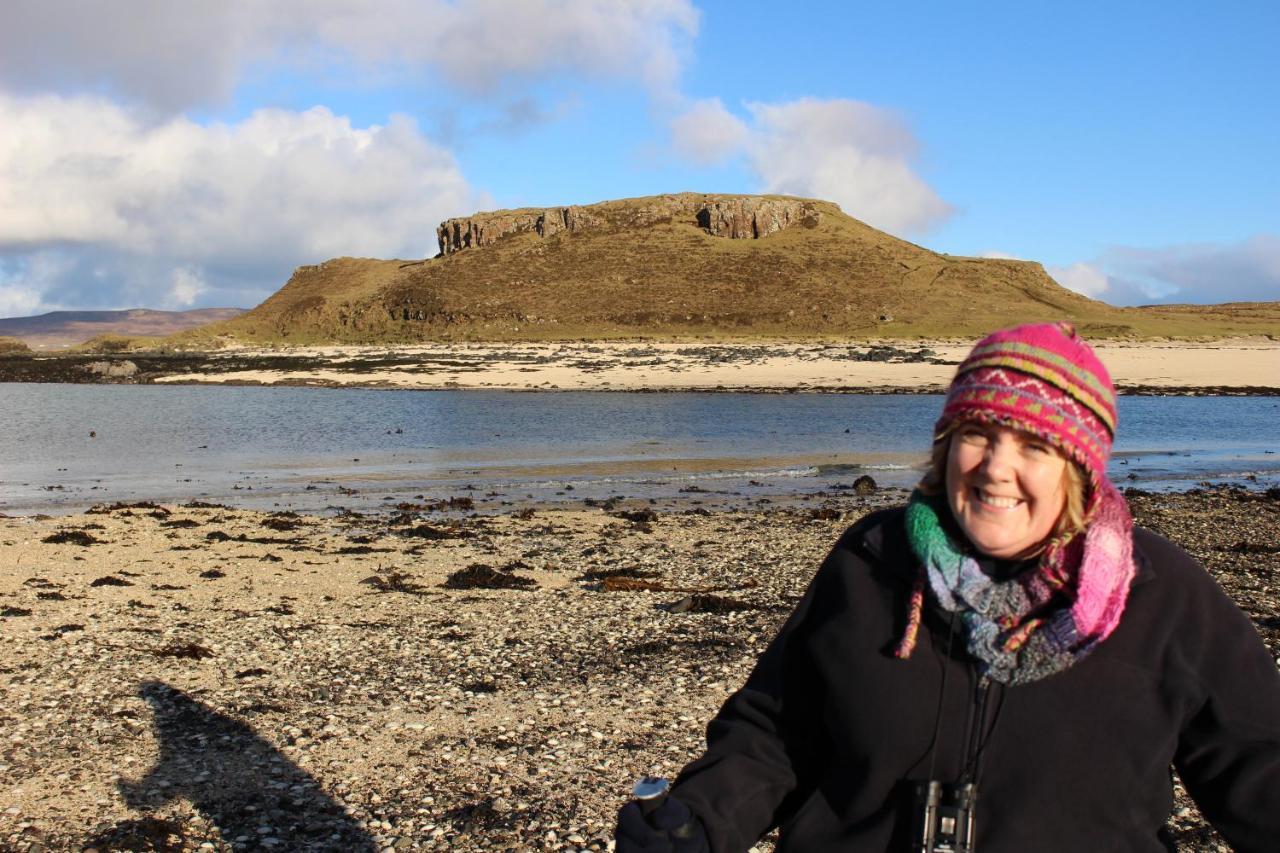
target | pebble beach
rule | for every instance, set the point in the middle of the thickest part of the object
(185, 677)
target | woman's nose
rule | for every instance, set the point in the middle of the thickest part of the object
(997, 462)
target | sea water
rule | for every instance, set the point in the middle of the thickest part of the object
(65, 447)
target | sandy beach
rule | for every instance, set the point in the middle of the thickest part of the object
(1237, 366)
(203, 677)
(1224, 366)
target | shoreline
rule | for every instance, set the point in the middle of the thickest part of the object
(906, 367)
(435, 680)
(756, 490)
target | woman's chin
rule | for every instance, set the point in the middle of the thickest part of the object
(996, 541)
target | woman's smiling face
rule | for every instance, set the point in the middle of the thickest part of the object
(1006, 488)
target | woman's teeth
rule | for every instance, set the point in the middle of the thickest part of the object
(998, 502)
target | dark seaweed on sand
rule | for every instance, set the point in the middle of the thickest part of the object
(361, 549)
(61, 630)
(707, 603)
(110, 580)
(637, 516)
(222, 536)
(430, 531)
(619, 572)
(395, 582)
(72, 537)
(481, 576)
(191, 651)
(117, 507)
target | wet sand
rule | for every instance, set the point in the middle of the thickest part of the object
(426, 678)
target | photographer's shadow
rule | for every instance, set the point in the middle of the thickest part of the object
(239, 782)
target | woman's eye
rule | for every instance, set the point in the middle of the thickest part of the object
(1039, 448)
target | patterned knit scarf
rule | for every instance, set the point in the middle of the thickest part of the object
(1044, 619)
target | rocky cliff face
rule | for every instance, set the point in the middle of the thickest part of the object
(734, 217)
(454, 235)
(752, 217)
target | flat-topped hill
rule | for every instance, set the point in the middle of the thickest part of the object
(688, 265)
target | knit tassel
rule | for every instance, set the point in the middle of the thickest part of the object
(914, 610)
(1107, 567)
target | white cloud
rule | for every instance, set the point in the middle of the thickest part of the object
(176, 55)
(110, 197)
(185, 286)
(478, 44)
(25, 281)
(1082, 278)
(20, 301)
(1000, 256)
(1204, 273)
(707, 133)
(853, 153)
(91, 192)
(1248, 271)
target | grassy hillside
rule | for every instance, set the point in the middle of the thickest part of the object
(645, 268)
(13, 346)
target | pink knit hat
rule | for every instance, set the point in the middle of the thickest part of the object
(1042, 379)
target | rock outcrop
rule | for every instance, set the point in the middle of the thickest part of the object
(734, 217)
(454, 235)
(752, 217)
(113, 369)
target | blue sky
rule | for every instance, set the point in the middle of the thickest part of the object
(175, 155)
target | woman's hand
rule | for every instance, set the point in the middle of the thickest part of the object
(671, 828)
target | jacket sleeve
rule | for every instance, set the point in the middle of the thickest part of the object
(1228, 752)
(757, 769)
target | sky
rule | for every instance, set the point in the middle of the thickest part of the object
(175, 155)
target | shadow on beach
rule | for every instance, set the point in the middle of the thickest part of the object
(249, 792)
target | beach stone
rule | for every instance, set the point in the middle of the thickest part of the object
(113, 369)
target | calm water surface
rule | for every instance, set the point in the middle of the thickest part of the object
(310, 448)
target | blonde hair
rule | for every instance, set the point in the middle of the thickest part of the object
(1075, 483)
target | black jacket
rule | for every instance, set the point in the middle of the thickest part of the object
(830, 730)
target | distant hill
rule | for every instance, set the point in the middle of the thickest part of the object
(685, 266)
(62, 329)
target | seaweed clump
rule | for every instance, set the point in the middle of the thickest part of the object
(482, 576)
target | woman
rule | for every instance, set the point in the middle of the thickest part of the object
(1008, 635)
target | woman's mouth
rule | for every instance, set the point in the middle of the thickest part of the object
(996, 502)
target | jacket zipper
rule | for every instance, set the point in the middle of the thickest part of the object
(974, 740)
